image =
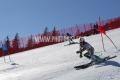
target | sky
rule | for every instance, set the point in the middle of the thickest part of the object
(27, 17)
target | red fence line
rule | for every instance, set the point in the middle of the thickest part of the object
(53, 37)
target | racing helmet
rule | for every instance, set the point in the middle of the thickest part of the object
(82, 39)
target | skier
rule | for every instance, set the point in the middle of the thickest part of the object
(95, 29)
(5, 50)
(69, 37)
(90, 51)
(90, 55)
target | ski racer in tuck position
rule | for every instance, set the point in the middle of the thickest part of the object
(70, 38)
(90, 51)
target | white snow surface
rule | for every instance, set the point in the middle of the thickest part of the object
(56, 62)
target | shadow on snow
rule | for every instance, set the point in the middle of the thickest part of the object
(107, 63)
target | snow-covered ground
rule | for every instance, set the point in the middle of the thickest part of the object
(56, 62)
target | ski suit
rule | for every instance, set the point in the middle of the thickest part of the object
(69, 37)
(90, 50)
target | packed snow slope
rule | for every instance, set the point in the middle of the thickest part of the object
(56, 62)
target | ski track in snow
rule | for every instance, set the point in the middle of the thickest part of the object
(56, 62)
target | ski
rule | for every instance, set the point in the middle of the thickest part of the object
(84, 66)
(11, 63)
(71, 43)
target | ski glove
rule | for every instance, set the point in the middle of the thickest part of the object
(77, 52)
